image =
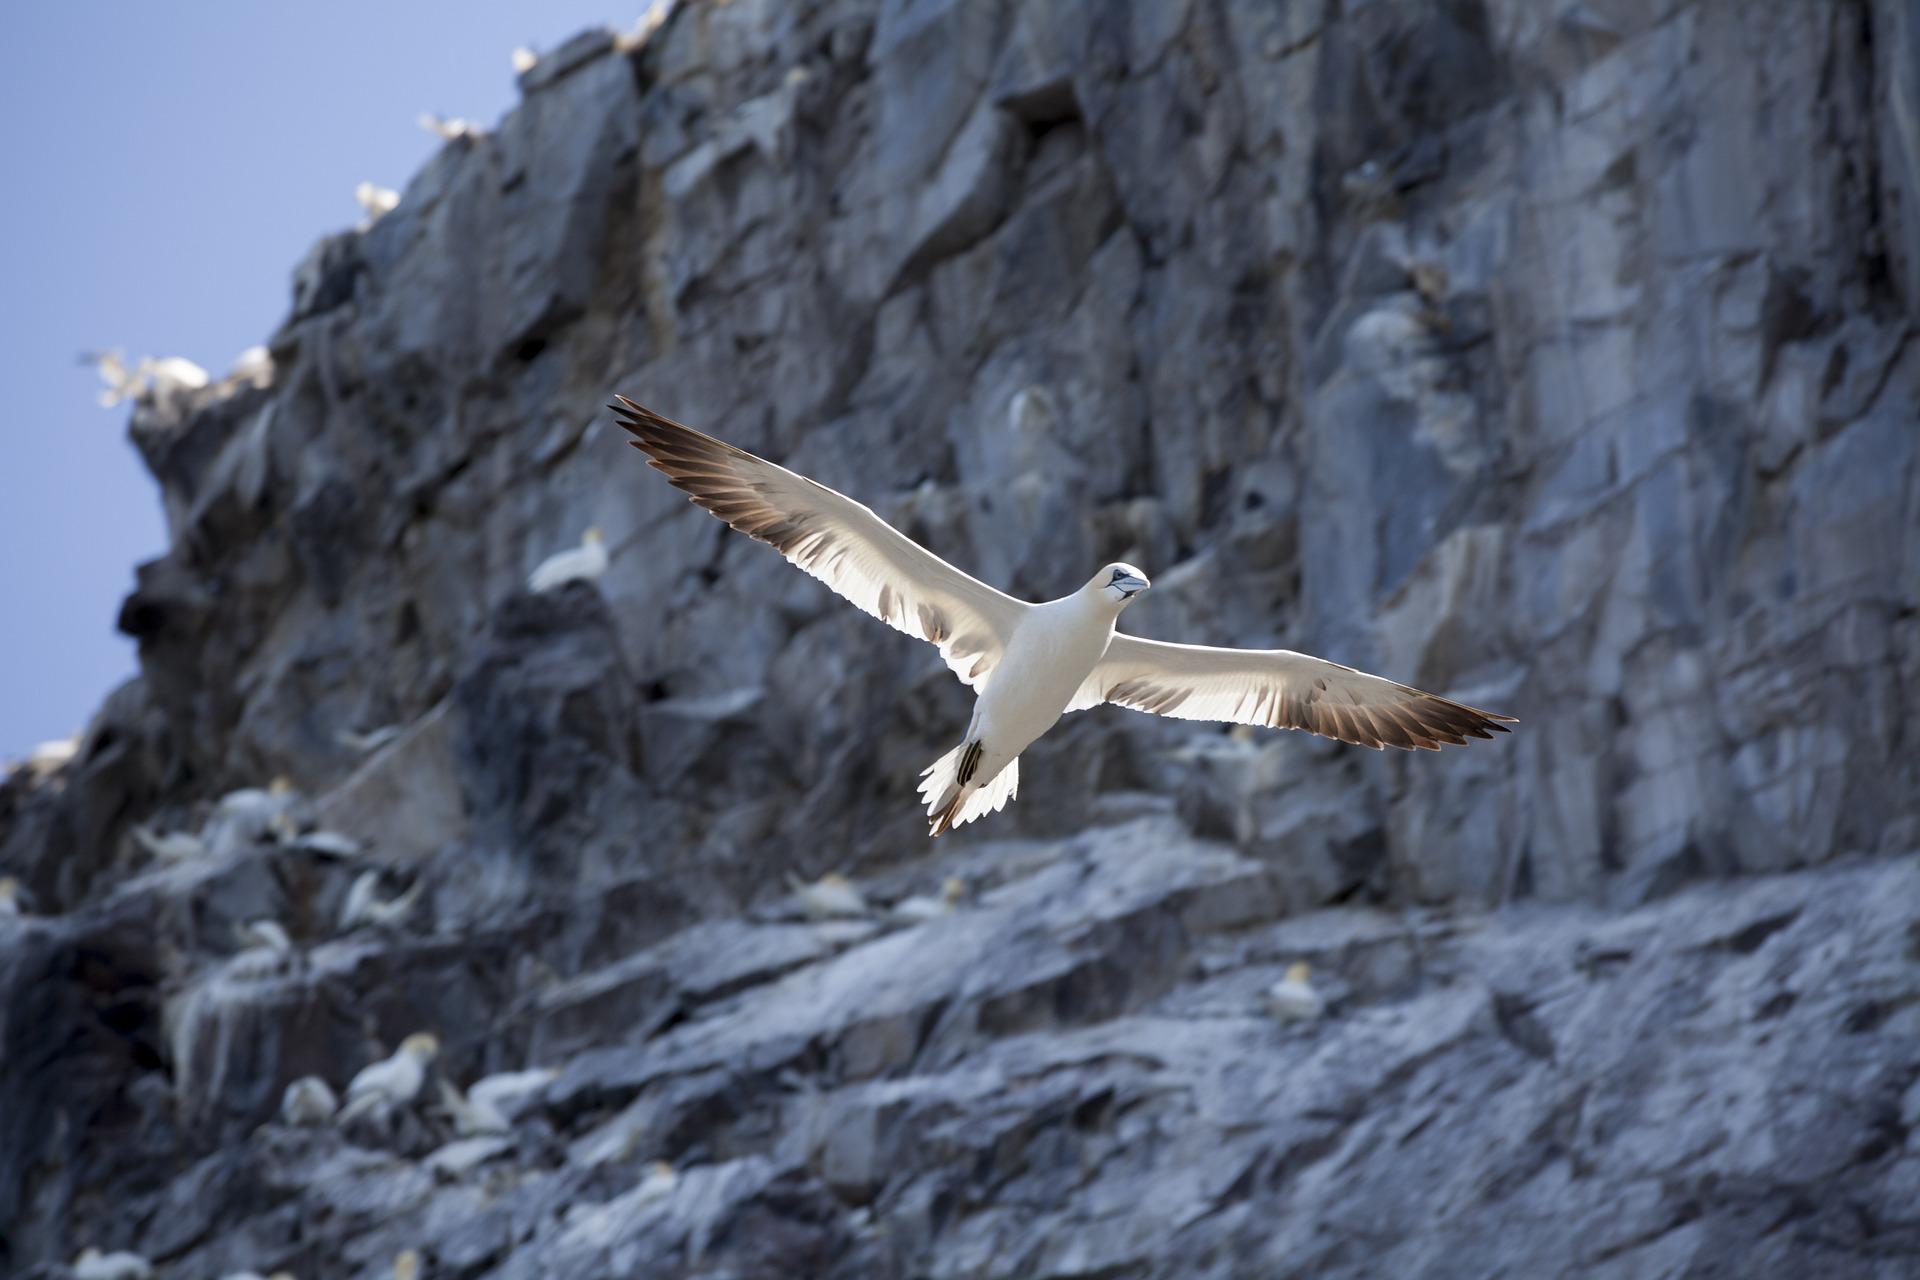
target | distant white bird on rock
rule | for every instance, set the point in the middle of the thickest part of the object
(920, 907)
(377, 201)
(524, 60)
(391, 1082)
(832, 895)
(583, 563)
(448, 129)
(1031, 663)
(661, 1181)
(471, 1118)
(308, 1101)
(172, 846)
(363, 904)
(1293, 999)
(10, 897)
(255, 364)
(406, 1265)
(119, 1265)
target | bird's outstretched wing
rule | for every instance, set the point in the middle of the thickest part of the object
(837, 540)
(1280, 688)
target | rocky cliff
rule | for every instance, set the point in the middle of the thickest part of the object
(1556, 356)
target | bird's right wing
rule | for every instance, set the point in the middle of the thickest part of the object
(1280, 688)
(837, 540)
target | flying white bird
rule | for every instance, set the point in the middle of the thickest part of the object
(147, 377)
(920, 907)
(173, 846)
(119, 1265)
(583, 563)
(1293, 999)
(363, 905)
(391, 1082)
(308, 1101)
(830, 896)
(1031, 663)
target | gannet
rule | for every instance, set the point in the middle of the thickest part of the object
(1029, 664)
(119, 381)
(584, 562)
(173, 846)
(377, 201)
(119, 1265)
(1293, 999)
(471, 1116)
(448, 130)
(10, 895)
(829, 896)
(659, 1183)
(308, 1101)
(255, 365)
(370, 741)
(524, 60)
(363, 905)
(920, 907)
(391, 1082)
(406, 1265)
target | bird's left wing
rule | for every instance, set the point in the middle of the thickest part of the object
(1280, 688)
(837, 540)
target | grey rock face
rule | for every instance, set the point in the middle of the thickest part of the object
(1556, 356)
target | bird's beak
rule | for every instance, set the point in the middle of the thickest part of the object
(1131, 586)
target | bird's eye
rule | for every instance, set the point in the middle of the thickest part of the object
(1117, 575)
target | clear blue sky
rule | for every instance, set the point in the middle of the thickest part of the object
(166, 167)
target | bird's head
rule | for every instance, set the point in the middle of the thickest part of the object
(421, 1046)
(593, 536)
(1116, 584)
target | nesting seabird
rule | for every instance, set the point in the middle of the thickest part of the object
(832, 895)
(363, 904)
(391, 1082)
(377, 201)
(583, 563)
(1029, 664)
(10, 897)
(308, 1101)
(118, 1265)
(524, 60)
(472, 1117)
(448, 129)
(920, 907)
(1293, 999)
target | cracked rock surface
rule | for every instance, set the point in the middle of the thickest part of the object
(1554, 356)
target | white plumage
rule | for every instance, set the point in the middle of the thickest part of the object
(377, 201)
(832, 895)
(920, 907)
(391, 1082)
(119, 1265)
(170, 846)
(1028, 664)
(1293, 999)
(364, 906)
(582, 563)
(308, 1101)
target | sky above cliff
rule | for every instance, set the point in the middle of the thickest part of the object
(168, 166)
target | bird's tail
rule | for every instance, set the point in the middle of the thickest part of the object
(952, 802)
